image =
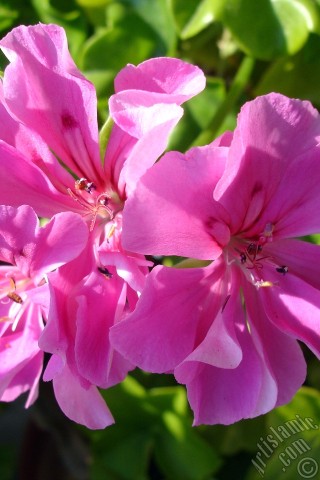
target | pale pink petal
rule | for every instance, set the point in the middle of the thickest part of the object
(169, 76)
(220, 347)
(32, 147)
(131, 268)
(44, 89)
(98, 299)
(18, 228)
(301, 258)
(118, 149)
(17, 350)
(54, 366)
(27, 379)
(82, 405)
(172, 211)
(293, 306)
(146, 109)
(219, 395)
(171, 316)
(267, 177)
(149, 123)
(292, 207)
(280, 352)
(59, 241)
(25, 183)
(59, 332)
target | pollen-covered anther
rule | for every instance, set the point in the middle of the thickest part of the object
(94, 205)
(264, 283)
(84, 184)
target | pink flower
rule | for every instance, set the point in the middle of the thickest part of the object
(30, 253)
(48, 106)
(228, 329)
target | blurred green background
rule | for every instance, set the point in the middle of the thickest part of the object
(246, 48)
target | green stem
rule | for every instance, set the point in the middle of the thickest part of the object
(104, 137)
(238, 85)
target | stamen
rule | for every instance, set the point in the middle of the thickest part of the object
(84, 184)
(100, 203)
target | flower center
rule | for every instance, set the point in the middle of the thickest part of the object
(104, 205)
(254, 260)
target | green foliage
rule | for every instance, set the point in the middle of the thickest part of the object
(153, 433)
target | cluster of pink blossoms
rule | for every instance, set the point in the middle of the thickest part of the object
(80, 289)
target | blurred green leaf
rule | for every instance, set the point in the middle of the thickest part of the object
(180, 453)
(297, 76)
(153, 430)
(158, 15)
(270, 28)
(8, 15)
(199, 112)
(131, 40)
(292, 438)
(93, 3)
(194, 16)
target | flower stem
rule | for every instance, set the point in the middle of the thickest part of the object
(238, 85)
(104, 137)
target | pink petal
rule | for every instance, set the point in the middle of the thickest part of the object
(267, 177)
(44, 89)
(82, 405)
(281, 353)
(32, 147)
(58, 242)
(26, 379)
(59, 332)
(25, 183)
(177, 214)
(98, 306)
(293, 307)
(220, 347)
(171, 315)
(219, 395)
(130, 268)
(302, 259)
(18, 227)
(20, 357)
(151, 124)
(171, 77)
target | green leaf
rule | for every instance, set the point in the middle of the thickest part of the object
(199, 112)
(158, 15)
(181, 453)
(130, 41)
(291, 445)
(93, 3)
(193, 16)
(127, 458)
(267, 29)
(7, 16)
(297, 76)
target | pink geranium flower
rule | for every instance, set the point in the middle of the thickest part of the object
(48, 112)
(30, 252)
(228, 329)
